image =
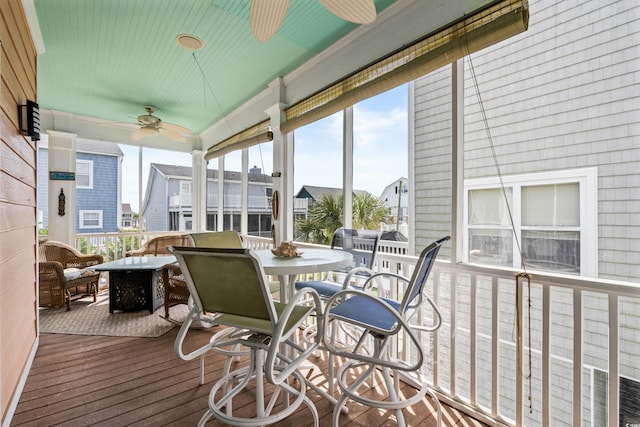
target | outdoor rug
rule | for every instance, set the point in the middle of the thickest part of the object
(92, 318)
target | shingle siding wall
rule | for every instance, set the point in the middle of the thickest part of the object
(563, 95)
(156, 217)
(432, 192)
(104, 194)
(102, 197)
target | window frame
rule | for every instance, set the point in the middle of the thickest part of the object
(81, 219)
(586, 178)
(90, 164)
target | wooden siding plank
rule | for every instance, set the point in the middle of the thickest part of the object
(13, 36)
(12, 216)
(16, 167)
(16, 192)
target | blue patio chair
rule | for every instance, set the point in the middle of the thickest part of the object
(374, 323)
(363, 245)
(229, 288)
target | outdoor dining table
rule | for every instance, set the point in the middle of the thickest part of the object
(311, 260)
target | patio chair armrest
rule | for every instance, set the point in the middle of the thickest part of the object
(86, 261)
(354, 272)
(50, 268)
(383, 274)
(359, 352)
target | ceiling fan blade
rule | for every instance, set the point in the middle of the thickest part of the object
(143, 132)
(356, 11)
(174, 127)
(171, 134)
(266, 16)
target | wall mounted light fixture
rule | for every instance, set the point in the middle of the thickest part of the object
(29, 118)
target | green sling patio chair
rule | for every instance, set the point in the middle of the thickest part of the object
(229, 288)
(375, 324)
(175, 288)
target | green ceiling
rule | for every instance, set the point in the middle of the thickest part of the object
(109, 58)
(101, 61)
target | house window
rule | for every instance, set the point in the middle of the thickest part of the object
(553, 214)
(84, 174)
(628, 410)
(90, 219)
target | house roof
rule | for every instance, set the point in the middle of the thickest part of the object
(126, 208)
(316, 193)
(98, 147)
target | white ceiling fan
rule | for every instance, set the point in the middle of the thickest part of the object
(151, 125)
(266, 16)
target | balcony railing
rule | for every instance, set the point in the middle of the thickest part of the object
(552, 352)
(233, 202)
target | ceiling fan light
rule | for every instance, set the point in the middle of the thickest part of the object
(356, 11)
(266, 16)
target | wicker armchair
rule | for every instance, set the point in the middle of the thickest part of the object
(158, 245)
(61, 270)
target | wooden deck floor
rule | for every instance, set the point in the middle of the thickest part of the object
(117, 381)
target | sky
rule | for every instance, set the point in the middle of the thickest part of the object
(380, 150)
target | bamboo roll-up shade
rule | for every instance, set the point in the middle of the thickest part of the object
(496, 23)
(245, 139)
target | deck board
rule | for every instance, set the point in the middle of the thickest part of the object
(79, 380)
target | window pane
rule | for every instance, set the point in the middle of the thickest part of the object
(91, 219)
(552, 250)
(488, 207)
(491, 246)
(549, 205)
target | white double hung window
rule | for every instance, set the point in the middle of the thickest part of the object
(84, 174)
(553, 215)
(90, 219)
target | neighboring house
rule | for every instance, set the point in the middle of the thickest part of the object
(128, 220)
(562, 107)
(167, 203)
(395, 196)
(98, 180)
(313, 193)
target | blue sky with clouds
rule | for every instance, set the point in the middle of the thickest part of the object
(380, 150)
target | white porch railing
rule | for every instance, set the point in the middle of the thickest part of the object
(578, 338)
(575, 330)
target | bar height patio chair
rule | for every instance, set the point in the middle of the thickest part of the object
(229, 288)
(374, 323)
(175, 287)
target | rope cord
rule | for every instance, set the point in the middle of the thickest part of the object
(519, 275)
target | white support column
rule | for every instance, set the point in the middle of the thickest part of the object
(62, 158)
(457, 158)
(411, 169)
(220, 225)
(282, 165)
(347, 166)
(199, 190)
(244, 194)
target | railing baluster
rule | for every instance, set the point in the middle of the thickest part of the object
(473, 319)
(614, 367)
(577, 358)
(453, 296)
(495, 348)
(546, 355)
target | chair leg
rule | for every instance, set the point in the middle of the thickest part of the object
(230, 386)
